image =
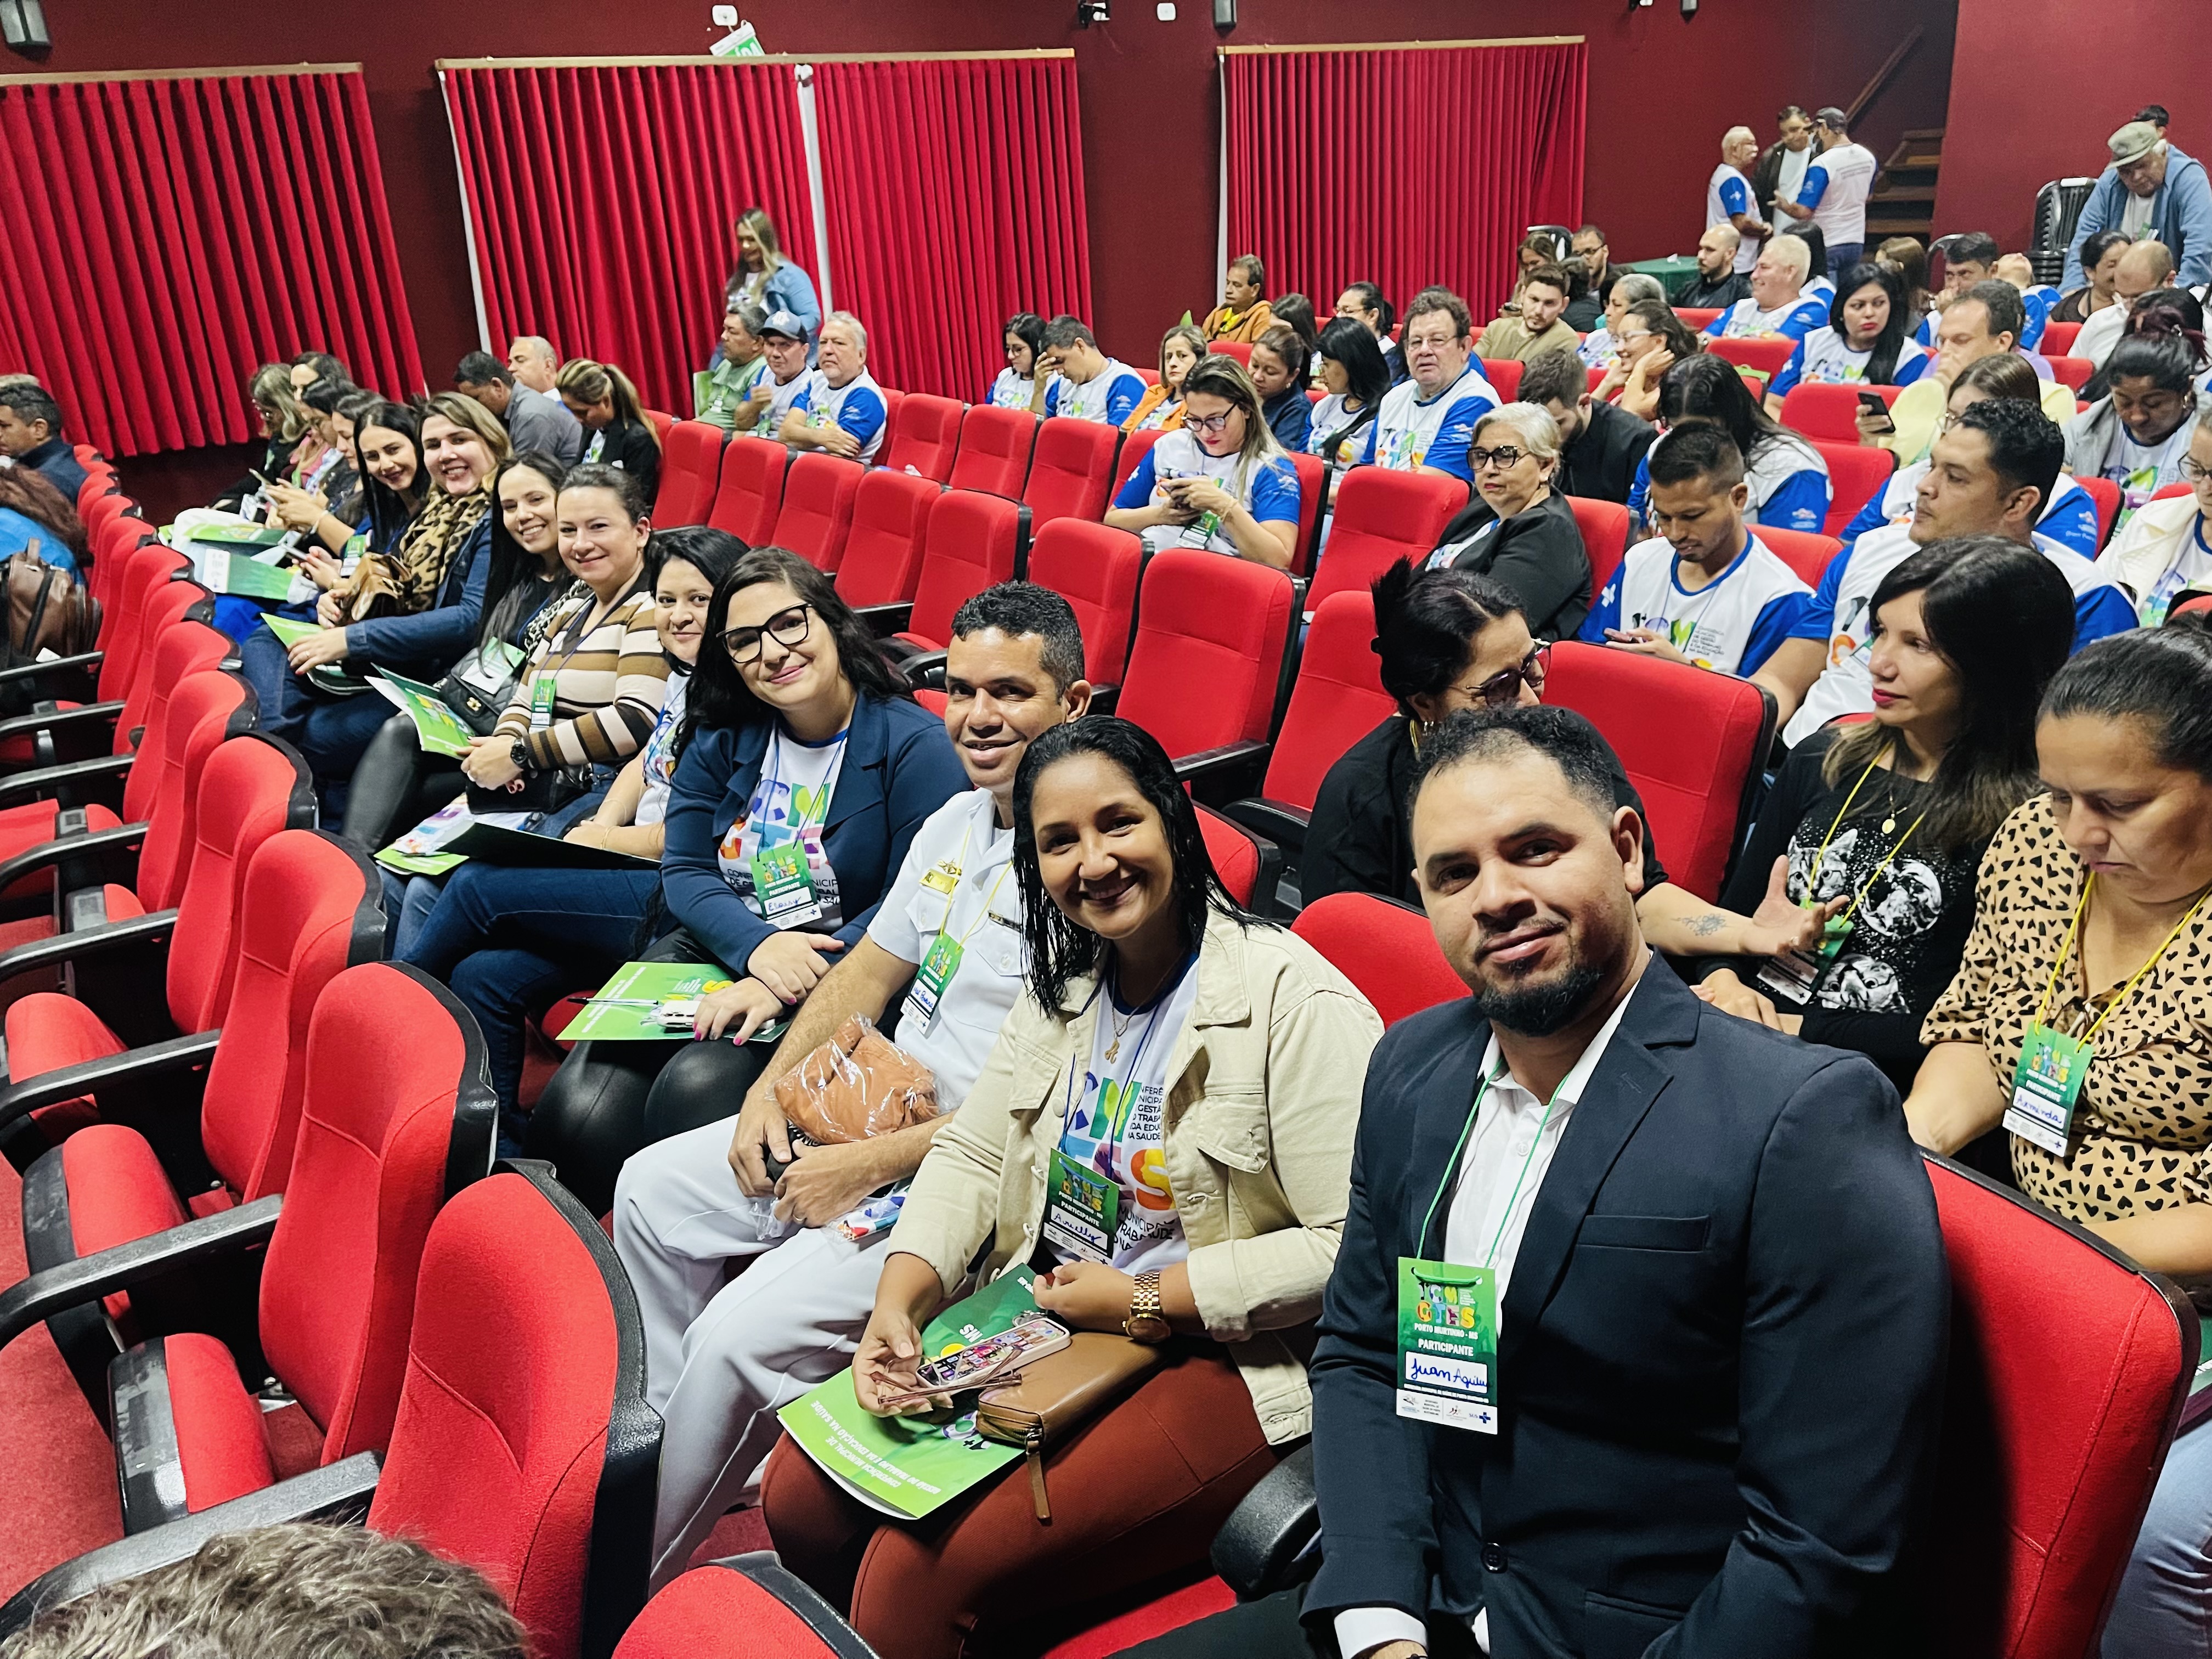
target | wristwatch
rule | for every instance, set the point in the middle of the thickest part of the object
(519, 752)
(1146, 1322)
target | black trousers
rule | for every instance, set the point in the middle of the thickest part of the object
(1269, 1628)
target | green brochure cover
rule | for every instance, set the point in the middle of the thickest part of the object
(237, 535)
(422, 850)
(626, 1008)
(441, 731)
(248, 578)
(909, 1465)
(289, 632)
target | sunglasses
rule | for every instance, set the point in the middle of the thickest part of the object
(1502, 689)
(786, 628)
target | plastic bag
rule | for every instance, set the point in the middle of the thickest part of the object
(857, 1084)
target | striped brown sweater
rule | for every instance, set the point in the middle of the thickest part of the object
(609, 681)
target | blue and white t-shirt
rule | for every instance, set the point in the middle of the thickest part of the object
(858, 406)
(1331, 416)
(1727, 193)
(1820, 287)
(1268, 487)
(2142, 470)
(1788, 480)
(1836, 186)
(1840, 617)
(1110, 395)
(2191, 568)
(2070, 517)
(783, 395)
(1412, 432)
(1011, 391)
(1744, 321)
(2038, 303)
(1731, 625)
(1822, 358)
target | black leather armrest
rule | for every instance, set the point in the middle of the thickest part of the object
(763, 1567)
(98, 777)
(1271, 1539)
(1104, 699)
(46, 719)
(68, 1082)
(1220, 775)
(339, 1492)
(147, 930)
(32, 672)
(885, 620)
(96, 856)
(923, 668)
(88, 1277)
(1279, 821)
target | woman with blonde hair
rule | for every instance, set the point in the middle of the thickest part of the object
(1220, 481)
(607, 406)
(1183, 348)
(765, 278)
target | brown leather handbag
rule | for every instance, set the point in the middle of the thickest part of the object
(46, 611)
(1051, 1398)
(857, 1084)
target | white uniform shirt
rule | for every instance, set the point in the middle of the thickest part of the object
(1011, 391)
(1727, 192)
(1840, 214)
(959, 845)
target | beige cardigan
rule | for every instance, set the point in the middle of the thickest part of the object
(2149, 545)
(1257, 1132)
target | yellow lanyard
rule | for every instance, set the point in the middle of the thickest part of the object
(2066, 950)
(1813, 881)
(989, 898)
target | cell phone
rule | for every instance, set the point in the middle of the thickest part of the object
(1031, 1338)
(1871, 404)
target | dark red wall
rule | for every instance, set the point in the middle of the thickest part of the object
(2049, 86)
(1662, 90)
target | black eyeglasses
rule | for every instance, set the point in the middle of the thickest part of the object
(1206, 422)
(2194, 470)
(786, 628)
(1506, 457)
(1502, 689)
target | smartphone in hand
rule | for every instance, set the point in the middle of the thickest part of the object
(1876, 412)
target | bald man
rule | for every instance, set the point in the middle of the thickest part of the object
(533, 363)
(1716, 284)
(1728, 195)
(2144, 266)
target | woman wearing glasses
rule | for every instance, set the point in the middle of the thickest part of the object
(806, 768)
(1220, 482)
(1448, 640)
(2165, 550)
(1518, 529)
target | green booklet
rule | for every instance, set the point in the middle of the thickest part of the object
(331, 676)
(440, 730)
(237, 535)
(289, 631)
(241, 574)
(909, 1466)
(629, 1007)
(422, 850)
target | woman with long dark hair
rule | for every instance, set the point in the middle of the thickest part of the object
(1363, 302)
(2100, 266)
(806, 768)
(1019, 385)
(1868, 340)
(1890, 817)
(2137, 433)
(1125, 1073)
(1354, 375)
(1789, 480)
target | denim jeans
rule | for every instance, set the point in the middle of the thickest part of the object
(2164, 1609)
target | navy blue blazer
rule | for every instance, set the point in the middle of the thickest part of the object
(899, 768)
(1720, 1364)
(432, 641)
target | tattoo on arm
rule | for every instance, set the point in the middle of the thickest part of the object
(1707, 926)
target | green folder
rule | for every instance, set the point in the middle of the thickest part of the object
(245, 577)
(440, 730)
(289, 632)
(622, 1009)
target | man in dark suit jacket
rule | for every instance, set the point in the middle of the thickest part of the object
(1718, 1362)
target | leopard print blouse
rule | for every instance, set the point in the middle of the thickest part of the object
(2143, 1129)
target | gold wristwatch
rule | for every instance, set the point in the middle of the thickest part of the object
(1147, 1322)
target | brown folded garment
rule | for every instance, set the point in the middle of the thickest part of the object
(857, 1084)
(1050, 1398)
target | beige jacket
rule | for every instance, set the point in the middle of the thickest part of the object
(2148, 545)
(1257, 1133)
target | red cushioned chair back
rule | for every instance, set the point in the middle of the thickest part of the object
(818, 508)
(1233, 854)
(891, 527)
(1095, 568)
(1604, 526)
(750, 489)
(1385, 948)
(690, 470)
(2072, 371)
(186, 649)
(1503, 373)
(2163, 491)
(894, 419)
(1856, 475)
(663, 424)
(995, 450)
(1804, 552)
(1240, 350)
(123, 636)
(167, 606)
(113, 547)
(715, 1610)
(971, 543)
(1135, 449)
(310, 908)
(2067, 1371)
(204, 711)
(2106, 494)
(397, 1112)
(1767, 357)
(2057, 338)
(1337, 699)
(1688, 739)
(927, 437)
(1071, 471)
(521, 1432)
(1208, 652)
(252, 787)
(1313, 489)
(1829, 413)
(1383, 516)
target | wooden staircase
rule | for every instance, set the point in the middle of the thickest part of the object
(1903, 200)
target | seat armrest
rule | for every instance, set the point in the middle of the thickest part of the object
(182, 1054)
(923, 668)
(30, 673)
(89, 1278)
(1214, 775)
(764, 1568)
(339, 1492)
(885, 620)
(95, 856)
(86, 714)
(1104, 699)
(1277, 820)
(1272, 1538)
(75, 782)
(119, 969)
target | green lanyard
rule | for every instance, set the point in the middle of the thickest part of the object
(1452, 1170)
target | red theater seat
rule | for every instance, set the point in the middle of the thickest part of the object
(1696, 317)
(973, 542)
(1313, 490)
(1383, 516)
(1207, 661)
(891, 526)
(1247, 865)
(663, 424)
(751, 489)
(2072, 371)
(1095, 569)
(1071, 471)
(1135, 449)
(1802, 551)
(2057, 338)
(1604, 526)
(1385, 948)
(2106, 494)
(1504, 375)
(816, 515)
(1240, 350)
(994, 450)
(926, 439)
(1767, 357)
(1856, 475)
(1829, 413)
(1691, 741)
(690, 468)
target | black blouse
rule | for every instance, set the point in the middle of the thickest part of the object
(1537, 554)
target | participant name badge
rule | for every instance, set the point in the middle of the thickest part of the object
(2045, 1085)
(784, 886)
(1082, 1210)
(1797, 975)
(938, 967)
(1448, 1344)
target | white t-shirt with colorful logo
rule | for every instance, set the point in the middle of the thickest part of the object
(1331, 416)
(656, 760)
(1744, 321)
(2142, 470)
(1268, 487)
(1822, 358)
(1410, 432)
(1731, 625)
(1111, 395)
(858, 406)
(791, 803)
(1011, 391)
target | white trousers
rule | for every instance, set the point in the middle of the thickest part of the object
(723, 1354)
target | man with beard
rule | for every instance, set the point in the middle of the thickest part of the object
(1635, 1340)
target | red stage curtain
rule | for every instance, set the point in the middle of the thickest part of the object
(166, 236)
(954, 192)
(602, 200)
(1402, 167)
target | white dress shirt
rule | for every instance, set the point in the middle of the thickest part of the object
(1507, 1158)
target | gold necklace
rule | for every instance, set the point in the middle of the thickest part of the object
(1121, 1030)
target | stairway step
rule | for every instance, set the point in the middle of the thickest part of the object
(1906, 193)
